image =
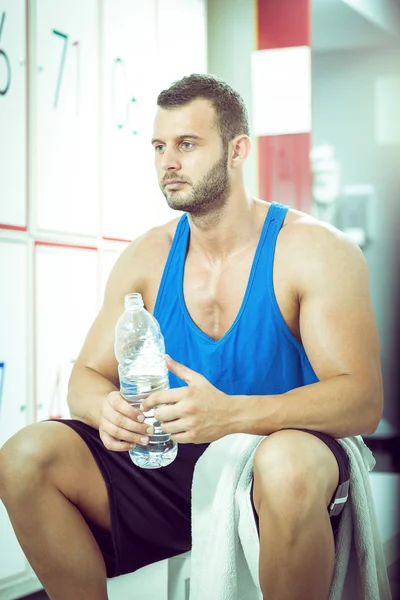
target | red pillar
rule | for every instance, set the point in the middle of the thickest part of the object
(283, 160)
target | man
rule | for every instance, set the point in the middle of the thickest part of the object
(267, 317)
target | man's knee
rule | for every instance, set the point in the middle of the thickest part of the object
(30, 457)
(52, 456)
(24, 459)
(288, 474)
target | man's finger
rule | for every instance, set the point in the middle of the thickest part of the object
(181, 438)
(167, 413)
(174, 427)
(115, 445)
(169, 396)
(184, 373)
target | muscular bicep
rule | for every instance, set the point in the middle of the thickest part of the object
(337, 323)
(97, 352)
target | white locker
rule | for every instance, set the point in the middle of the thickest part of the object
(14, 338)
(129, 102)
(14, 348)
(65, 116)
(13, 114)
(65, 307)
(182, 39)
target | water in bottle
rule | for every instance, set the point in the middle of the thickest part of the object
(139, 349)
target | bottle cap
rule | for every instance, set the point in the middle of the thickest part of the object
(133, 302)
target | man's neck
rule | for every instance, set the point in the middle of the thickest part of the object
(221, 236)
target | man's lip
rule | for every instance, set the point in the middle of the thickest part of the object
(173, 184)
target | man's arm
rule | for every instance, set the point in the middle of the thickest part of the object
(339, 334)
(93, 395)
(95, 372)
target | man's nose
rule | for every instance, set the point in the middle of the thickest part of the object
(171, 160)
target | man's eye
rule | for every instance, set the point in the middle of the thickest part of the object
(159, 147)
(187, 145)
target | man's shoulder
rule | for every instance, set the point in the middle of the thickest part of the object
(316, 249)
(143, 257)
(307, 233)
(155, 242)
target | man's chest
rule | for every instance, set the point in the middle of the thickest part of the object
(214, 296)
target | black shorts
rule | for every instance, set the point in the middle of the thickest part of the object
(151, 508)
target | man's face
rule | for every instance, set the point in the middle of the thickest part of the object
(190, 161)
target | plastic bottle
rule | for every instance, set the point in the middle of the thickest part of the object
(139, 349)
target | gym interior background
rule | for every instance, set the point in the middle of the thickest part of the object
(78, 82)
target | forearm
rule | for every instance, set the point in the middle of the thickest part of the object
(341, 406)
(86, 391)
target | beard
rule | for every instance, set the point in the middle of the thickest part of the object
(209, 195)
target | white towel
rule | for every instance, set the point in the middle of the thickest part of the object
(225, 544)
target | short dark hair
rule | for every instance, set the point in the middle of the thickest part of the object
(231, 111)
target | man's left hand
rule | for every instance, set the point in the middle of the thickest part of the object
(197, 413)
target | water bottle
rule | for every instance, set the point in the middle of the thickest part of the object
(139, 349)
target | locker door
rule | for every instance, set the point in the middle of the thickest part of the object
(14, 397)
(13, 114)
(182, 39)
(65, 116)
(129, 92)
(65, 307)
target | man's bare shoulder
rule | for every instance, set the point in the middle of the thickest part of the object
(311, 248)
(305, 232)
(159, 235)
(143, 257)
(153, 244)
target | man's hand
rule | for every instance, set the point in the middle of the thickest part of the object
(121, 425)
(196, 413)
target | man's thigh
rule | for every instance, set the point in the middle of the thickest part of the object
(80, 478)
(150, 509)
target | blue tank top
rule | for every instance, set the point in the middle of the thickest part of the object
(258, 355)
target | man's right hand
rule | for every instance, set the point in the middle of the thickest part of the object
(121, 425)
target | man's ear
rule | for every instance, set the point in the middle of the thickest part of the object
(240, 150)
